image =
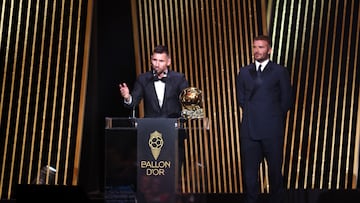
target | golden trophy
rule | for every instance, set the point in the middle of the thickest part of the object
(191, 100)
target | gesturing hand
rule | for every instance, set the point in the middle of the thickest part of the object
(124, 91)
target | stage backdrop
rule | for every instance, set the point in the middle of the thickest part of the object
(318, 41)
(44, 55)
(44, 47)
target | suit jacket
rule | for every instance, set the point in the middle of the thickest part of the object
(264, 101)
(144, 89)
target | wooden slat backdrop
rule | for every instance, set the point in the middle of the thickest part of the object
(318, 41)
(43, 50)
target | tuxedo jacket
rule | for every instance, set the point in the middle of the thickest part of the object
(264, 100)
(144, 89)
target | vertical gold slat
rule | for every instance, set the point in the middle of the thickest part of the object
(207, 63)
(171, 32)
(3, 89)
(232, 95)
(266, 180)
(160, 27)
(319, 103)
(236, 152)
(187, 47)
(146, 26)
(232, 98)
(188, 55)
(291, 14)
(251, 29)
(202, 145)
(296, 106)
(64, 94)
(168, 33)
(137, 21)
(186, 166)
(276, 23)
(191, 49)
(83, 85)
(255, 17)
(11, 100)
(220, 152)
(197, 132)
(149, 37)
(261, 176)
(180, 37)
(190, 165)
(344, 91)
(145, 43)
(180, 68)
(314, 74)
(37, 92)
(211, 111)
(222, 88)
(323, 68)
(5, 68)
(47, 89)
(305, 92)
(265, 15)
(82, 95)
(279, 35)
(155, 21)
(55, 97)
(336, 101)
(348, 149)
(23, 67)
(357, 131)
(289, 32)
(246, 37)
(228, 69)
(151, 25)
(185, 35)
(197, 161)
(38, 89)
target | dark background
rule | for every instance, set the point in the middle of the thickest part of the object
(111, 62)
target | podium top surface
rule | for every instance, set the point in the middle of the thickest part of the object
(131, 123)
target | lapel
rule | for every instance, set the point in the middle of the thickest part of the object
(168, 86)
(253, 72)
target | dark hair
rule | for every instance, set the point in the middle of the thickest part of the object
(263, 37)
(161, 49)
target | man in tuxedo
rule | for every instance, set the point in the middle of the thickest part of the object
(160, 88)
(264, 95)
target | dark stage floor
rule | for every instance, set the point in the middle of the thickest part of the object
(43, 193)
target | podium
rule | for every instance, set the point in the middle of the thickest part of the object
(147, 147)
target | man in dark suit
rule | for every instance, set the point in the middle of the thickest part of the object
(264, 95)
(160, 88)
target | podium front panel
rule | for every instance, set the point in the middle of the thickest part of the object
(157, 159)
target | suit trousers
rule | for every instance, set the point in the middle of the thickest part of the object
(253, 153)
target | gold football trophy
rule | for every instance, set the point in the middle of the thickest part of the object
(191, 100)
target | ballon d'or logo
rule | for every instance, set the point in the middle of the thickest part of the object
(155, 143)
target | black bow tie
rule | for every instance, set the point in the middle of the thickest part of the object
(163, 79)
